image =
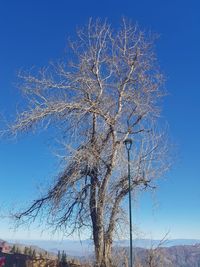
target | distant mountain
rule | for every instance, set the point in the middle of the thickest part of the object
(71, 247)
(85, 247)
(175, 256)
(174, 253)
(148, 243)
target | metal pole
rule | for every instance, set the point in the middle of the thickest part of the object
(130, 209)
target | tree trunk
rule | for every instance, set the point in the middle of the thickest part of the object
(107, 253)
(98, 244)
(103, 250)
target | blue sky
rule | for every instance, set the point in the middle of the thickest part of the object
(32, 32)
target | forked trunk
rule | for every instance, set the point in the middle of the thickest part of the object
(107, 254)
(103, 249)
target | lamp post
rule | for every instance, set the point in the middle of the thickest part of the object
(128, 144)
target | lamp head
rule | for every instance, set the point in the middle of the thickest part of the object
(128, 143)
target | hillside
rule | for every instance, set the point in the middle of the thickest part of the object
(172, 256)
(84, 248)
(175, 256)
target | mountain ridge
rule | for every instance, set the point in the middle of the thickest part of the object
(183, 255)
(85, 247)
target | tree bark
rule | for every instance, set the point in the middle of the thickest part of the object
(98, 242)
(107, 255)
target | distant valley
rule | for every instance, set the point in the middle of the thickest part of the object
(85, 247)
(173, 253)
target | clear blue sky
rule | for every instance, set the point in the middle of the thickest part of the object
(32, 32)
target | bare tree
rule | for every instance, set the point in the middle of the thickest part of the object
(154, 256)
(107, 89)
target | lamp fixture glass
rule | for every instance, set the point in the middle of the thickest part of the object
(128, 143)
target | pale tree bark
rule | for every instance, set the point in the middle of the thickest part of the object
(108, 88)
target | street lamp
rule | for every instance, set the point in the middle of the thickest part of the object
(128, 143)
